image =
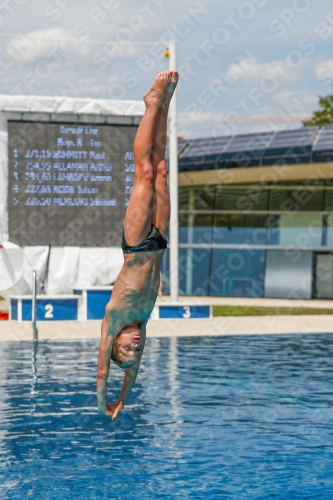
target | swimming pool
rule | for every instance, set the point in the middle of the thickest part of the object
(246, 417)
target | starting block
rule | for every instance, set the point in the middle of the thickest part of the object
(94, 300)
(85, 304)
(49, 308)
(169, 310)
(89, 303)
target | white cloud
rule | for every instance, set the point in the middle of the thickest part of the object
(308, 99)
(324, 71)
(56, 43)
(95, 86)
(37, 44)
(92, 86)
(250, 72)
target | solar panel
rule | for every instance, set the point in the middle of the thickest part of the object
(299, 137)
(207, 146)
(293, 146)
(181, 145)
(249, 142)
(324, 139)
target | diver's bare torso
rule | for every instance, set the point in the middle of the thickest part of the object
(135, 291)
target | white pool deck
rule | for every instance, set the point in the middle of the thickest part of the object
(231, 325)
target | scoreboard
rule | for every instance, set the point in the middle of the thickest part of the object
(69, 183)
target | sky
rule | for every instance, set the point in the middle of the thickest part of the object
(245, 66)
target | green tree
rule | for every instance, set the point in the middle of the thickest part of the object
(324, 115)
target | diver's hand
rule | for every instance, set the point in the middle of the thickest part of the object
(113, 409)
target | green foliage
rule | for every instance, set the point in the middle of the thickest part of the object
(324, 115)
(266, 311)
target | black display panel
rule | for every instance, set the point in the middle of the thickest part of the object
(69, 184)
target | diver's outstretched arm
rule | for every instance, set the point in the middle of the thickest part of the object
(104, 357)
(113, 409)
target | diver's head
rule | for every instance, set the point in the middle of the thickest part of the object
(128, 346)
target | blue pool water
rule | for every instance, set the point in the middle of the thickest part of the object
(209, 418)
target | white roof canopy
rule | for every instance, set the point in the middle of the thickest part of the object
(70, 105)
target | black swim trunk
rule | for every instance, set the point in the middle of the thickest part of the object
(152, 243)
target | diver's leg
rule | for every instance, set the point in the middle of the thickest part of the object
(138, 218)
(161, 199)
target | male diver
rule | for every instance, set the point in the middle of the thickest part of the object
(123, 332)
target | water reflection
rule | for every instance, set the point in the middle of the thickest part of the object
(211, 417)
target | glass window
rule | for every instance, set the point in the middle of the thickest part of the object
(183, 227)
(250, 198)
(329, 199)
(295, 183)
(273, 223)
(301, 230)
(240, 229)
(204, 197)
(298, 199)
(237, 273)
(195, 228)
(202, 229)
(183, 195)
(329, 231)
(194, 271)
(197, 198)
(287, 276)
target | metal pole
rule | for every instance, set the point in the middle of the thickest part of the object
(34, 306)
(189, 257)
(173, 183)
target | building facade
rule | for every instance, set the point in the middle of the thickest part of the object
(256, 215)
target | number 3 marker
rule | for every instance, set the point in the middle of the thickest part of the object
(187, 312)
